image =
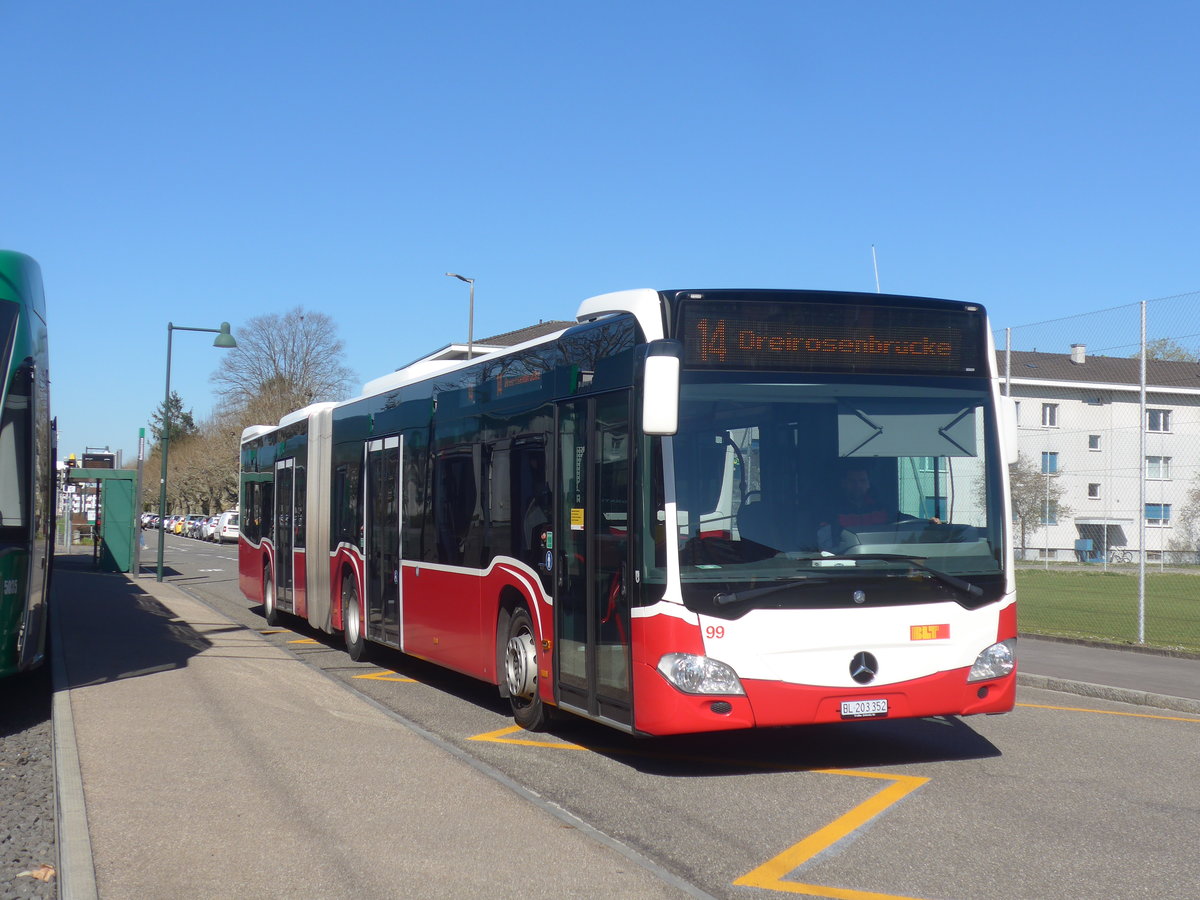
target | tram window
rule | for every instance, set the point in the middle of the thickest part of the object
(14, 451)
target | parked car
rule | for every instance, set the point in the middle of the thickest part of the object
(207, 528)
(227, 527)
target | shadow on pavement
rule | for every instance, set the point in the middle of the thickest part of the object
(111, 629)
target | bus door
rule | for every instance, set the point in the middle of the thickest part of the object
(284, 515)
(383, 540)
(592, 583)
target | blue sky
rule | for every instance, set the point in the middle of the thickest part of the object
(200, 163)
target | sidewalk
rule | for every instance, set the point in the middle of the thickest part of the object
(212, 764)
(1128, 676)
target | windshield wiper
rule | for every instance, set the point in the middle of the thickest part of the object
(755, 593)
(916, 562)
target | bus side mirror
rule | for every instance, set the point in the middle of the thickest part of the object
(1008, 430)
(660, 387)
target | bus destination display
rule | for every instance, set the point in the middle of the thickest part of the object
(831, 337)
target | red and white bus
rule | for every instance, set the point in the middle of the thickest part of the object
(641, 518)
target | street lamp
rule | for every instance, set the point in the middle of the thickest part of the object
(471, 318)
(225, 341)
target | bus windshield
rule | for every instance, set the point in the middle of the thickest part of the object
(828, 481)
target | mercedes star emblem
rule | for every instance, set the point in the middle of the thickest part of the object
(864, 667)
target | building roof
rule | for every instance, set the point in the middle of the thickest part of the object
(1122, 370)
(521, 335)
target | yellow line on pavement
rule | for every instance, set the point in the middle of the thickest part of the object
(1110, 712)
(502, 737)
(770, 875)
(386, 675)
(304, 641)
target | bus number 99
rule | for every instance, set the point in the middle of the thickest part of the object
(714, 631)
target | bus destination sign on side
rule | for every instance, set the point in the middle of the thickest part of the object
(828, 337)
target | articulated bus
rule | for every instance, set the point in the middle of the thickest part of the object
(636, 518)
(27, 449)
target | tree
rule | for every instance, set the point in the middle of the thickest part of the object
(1168, 349)
(288, 360)
(182, 423)
(1032, 491)
(1185, 528)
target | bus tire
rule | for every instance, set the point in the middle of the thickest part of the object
(352, 624)
(270, 607)
(521, 672)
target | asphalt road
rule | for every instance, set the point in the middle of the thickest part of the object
(1066, 797)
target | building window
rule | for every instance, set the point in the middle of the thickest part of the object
(1094, 491)
(1093, 442)
(1050, 415)
(1158, 420)
(933, 464)
(1158, 514)
(1158, 467)
(1049, 463)
(1017, 411)
(1049, 513)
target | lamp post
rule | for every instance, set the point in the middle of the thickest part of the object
(225, 341)
(471, 317)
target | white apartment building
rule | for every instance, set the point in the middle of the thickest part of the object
(1079, 422)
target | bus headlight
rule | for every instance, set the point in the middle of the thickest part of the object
(699, 675)
(996, 661)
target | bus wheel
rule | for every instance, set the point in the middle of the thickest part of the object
(356, 644)
(270, 609)
(520, 672)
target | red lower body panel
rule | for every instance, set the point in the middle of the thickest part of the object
(660, 709)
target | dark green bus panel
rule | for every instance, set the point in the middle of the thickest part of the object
(26, 465)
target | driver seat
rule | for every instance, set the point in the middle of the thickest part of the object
(767, 524)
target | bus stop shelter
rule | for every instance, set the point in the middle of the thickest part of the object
(116, 524)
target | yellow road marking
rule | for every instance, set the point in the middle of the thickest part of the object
(304, 641)
(275, 631)
(770, 875)
(1109, 712)
(501, 737)
(386, 675)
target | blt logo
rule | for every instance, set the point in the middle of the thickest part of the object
(928, 632)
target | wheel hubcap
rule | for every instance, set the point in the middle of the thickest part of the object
(352, 620)
(520, 664)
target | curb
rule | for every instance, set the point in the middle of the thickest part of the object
(1104, 692)
(76, 870)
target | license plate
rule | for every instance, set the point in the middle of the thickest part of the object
(864, 709)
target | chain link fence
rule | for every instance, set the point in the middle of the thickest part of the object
(1106, 496)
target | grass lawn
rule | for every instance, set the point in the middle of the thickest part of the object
(1103, 606)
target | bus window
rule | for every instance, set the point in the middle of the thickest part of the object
(456, 497)
(531, 495)
(346, 500)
